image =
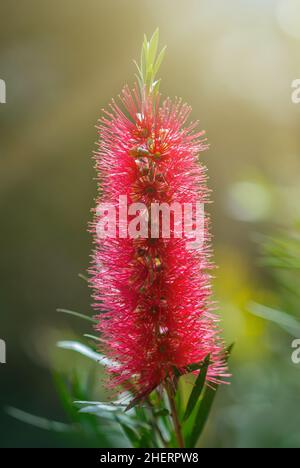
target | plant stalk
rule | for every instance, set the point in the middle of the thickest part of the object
(155, 424)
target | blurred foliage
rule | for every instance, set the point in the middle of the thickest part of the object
(144, 421)
(281, 255)
(259, 408)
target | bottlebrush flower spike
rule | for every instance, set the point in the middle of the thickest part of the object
(155, 292)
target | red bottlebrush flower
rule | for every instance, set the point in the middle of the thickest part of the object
(154, 293)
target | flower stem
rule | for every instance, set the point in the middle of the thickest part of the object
(174, 414)
(155, 424)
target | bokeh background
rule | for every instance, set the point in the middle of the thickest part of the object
(234, 61)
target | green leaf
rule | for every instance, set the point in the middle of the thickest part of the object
(134, 402)
(205, 407)
(131, 433)
(72, 388)
(66, 398)
(149, 64)
(146, 439)
(83, 277)
(92, 337)
(96, 407)
(115, 414)
(87, 352)
(162, 413)
(176, 372)
(140, 75)
(144, 56)
(159, 60)
(196, 366)
(197, 389)
(155, 86)
(229, 351)
(202, 415)
(139, 398)
(153, 45)
(41, 423)
(284, 320)
(77, 314)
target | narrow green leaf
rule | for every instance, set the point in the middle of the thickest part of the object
(194, 367)
(155, 86)
(229, 351)
(153, 45)
(88, 406)
(99, 409)
(134, 402)
(159, 60)
(139, 398)
(140, 80)
(92, 337)
(176, 372)
(144, 56)
(204, 408)
(41, 423)
(149, 64)
(162, 412)
(197, 389)
(146, 439)
(140, 75)
(83, 277)
(202, 415)
(113, 414)
(65, 395)
(87, 352)
(131, 434)
(77, 314)
(284, 320)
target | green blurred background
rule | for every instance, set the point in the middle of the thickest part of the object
(62, 61)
